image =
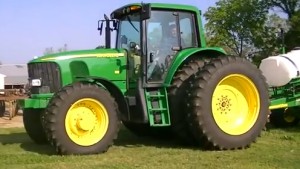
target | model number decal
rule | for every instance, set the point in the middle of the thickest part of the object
(99, 55)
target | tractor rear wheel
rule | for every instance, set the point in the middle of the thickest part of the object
(228, 103)
(177, 93)
(82, 119)
(284, 117)
(33, 125)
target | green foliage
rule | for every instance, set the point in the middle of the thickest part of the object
(237, 24)
(289, 7)
(293, 35)
(268, 41)
(155, 36)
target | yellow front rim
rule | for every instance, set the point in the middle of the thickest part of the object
(235, 104)
(86, 122)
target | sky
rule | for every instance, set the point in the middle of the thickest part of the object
(28, 27)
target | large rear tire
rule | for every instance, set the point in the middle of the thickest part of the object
(33, 125)
(284, 117)
(177, 94)
(82, 119)
(228, 104)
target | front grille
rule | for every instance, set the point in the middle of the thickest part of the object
(49, 74)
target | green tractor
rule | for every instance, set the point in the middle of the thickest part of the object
(152, 83)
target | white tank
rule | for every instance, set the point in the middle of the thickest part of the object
(280, 70)
(2, 82)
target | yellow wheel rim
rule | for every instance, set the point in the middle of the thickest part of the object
(235, 104)
(86, 122)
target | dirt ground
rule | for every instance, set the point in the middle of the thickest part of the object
(16, 121)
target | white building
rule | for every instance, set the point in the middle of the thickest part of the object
(15, 75)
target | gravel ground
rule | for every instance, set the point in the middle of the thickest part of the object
(16, 121)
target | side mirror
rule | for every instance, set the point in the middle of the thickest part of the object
(115, 24)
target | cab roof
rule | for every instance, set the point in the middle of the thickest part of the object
(163, 6)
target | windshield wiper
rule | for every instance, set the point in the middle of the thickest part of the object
(128, 18)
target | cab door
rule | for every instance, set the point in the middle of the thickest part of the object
(168, 33)
(129, 37)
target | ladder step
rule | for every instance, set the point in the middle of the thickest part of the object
(154, 96)
(159, 109)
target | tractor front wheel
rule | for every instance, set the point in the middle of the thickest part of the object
(82, 119)
(228, 103)
(33, 125)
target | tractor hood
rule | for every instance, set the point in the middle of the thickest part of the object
(80, 54)
(67, 67)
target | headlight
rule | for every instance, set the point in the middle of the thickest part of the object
(36, 82)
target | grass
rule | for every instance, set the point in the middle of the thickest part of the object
(277, 148)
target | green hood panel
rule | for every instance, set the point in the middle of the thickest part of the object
(98, 53)
(107, 64)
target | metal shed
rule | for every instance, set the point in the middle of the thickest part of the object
(16, 75)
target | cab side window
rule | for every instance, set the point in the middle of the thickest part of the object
(187, 30)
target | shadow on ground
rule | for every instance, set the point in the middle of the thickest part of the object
(25, 143)
(289, 129)
(125, 139)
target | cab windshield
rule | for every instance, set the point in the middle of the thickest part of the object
(129, 31)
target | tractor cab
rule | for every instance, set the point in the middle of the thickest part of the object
(152, 37)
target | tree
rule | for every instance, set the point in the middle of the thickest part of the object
(63, 49)
(50, 50)
(292, 9)
(289, 7)
(292, 38)
(155, 36)
(236, 24)
(100, 47)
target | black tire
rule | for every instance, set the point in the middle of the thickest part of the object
(85, 135)
(216, 117)
(33, 125)
(177, 94)
(284, 117)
